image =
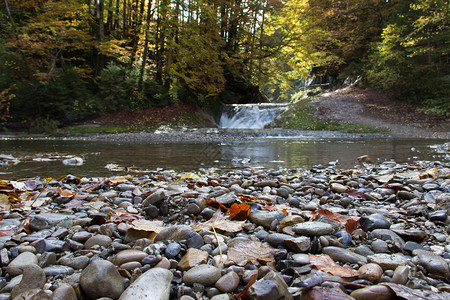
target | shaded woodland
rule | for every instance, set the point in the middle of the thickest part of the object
(63, 61)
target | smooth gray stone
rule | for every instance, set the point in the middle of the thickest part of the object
(50, 220)
(154, 198)
(344, 255)
(374, 221)
(433, 263)
(271, 286)
(388, 235)
(58, 269)
(152, 285)
(33, 278)
(227, 199)
(49, 245)
(101, 279)
(265, 218)
(75, 262)
(206, 275)
(24, 259)
(277, 239)
(178, 233)
(312, 228)
(387, 261)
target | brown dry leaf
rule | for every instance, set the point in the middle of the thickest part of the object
(65, 193)
(253, 279)
(220, 223)
(124, 216)
(239, 212)
(251, 251)
(146, 225)
(350, 223)
(325, 263)
(408, 293)
(280, 207)
(385, 178)
(119, 179)
(145, 229)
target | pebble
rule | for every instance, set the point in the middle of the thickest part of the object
(101, 279)
(33, 278)
(433, 263)
(203, 274)
(17, 266)
(312, 228)
(64, 292)
(371, 272)
(228, 282)
(154, 284)
(271, 286)
(374, 221)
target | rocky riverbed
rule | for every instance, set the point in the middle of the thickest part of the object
(376, 231)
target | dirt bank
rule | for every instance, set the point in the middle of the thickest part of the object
(364, 106)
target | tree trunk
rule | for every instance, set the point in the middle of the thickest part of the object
(147, 37)
(101, 25)
(11, 19)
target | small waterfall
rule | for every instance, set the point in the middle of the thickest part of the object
(250, 116)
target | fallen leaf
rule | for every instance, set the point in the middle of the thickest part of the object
(255, 252)
(253, 279)
(221, 223)
(350, 223)
(384, 178)
(239, 212)
(145, 225)
(124, 216)
(119, 179)
(280, 207)
(357, 194)
(65, 193)
(216, 204)
(325, 263)
(408, 293)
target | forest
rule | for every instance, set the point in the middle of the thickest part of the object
(65, 61)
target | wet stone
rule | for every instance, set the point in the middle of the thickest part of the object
(374, 221)
(98, 240)
(440, 215)
(64, 292)
(16, 266)
(49, 245)
(101, 279)
(58, 270)
(129, 256)
(172, 250)
(204, 274)
(387, 261)
(33, 278)
(433, 263)
(312, 228)
(228, 282)
(344, 255)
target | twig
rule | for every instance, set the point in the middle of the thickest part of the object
(43, 190)
(218, 243)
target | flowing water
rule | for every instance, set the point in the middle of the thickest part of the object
(43, 158)
(250, 116)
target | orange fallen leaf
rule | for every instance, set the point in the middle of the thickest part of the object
(239, 212)
(65, 193)
(216, 204)
(253, 279)
(325, 263)
(350, 223)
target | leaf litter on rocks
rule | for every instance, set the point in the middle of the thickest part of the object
(255, 252)
(350, 223)
(325, 263)
(220, 222)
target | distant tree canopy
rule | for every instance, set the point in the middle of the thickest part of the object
(65, 60)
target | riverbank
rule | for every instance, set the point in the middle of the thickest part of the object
(375, 229)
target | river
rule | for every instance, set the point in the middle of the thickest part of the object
(43, 158)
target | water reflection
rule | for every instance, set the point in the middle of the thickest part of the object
(274, 153)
